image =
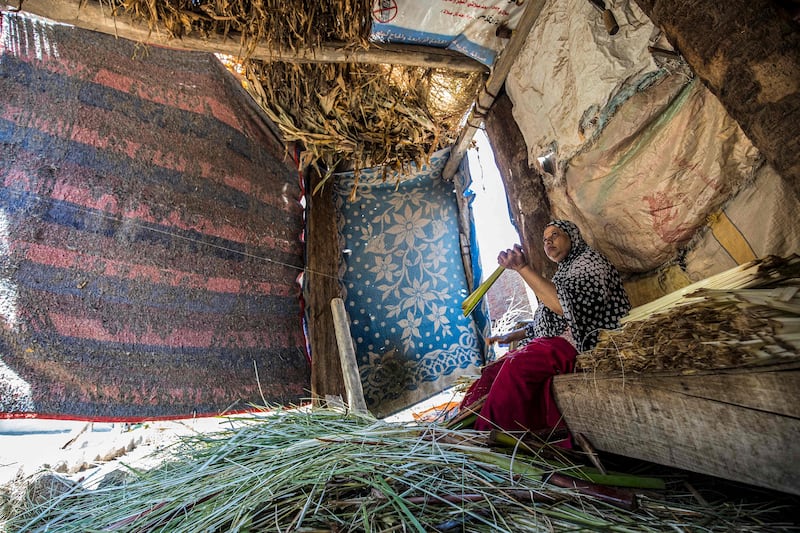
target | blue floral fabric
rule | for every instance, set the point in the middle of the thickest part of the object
(404, 283)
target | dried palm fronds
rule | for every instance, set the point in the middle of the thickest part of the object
(342, 116)
(323, 471)
(274, 23)
(361, 116)
(749, 315)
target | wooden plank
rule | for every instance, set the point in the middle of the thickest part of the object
(347, 356)
(771, 392)
(96, 17)
(320, 287)
(491, 89)
(737, 426)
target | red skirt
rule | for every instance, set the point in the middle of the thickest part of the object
(519, 387)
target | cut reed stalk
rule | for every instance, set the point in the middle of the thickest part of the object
(471, 301)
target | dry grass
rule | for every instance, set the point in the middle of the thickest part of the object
(342, 116)
(749, 315)
(275, 23)
(352, 116)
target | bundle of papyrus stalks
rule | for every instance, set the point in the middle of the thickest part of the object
(749, 315)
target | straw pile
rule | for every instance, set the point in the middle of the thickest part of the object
(324, 471)
(277, 23)
(749, 315)
(353, 116)
(343, 116)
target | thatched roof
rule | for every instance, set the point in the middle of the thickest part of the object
(342, 114)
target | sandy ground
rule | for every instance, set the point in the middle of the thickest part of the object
(87, 451)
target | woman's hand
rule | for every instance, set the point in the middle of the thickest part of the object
(512, 336)
(545, 291)
(513, 258)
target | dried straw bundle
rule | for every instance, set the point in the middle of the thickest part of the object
(749, 315)
(354, 115)
(323, 471)
(275, 23)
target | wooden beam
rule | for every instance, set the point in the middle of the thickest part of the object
(320, 286)
(96, 17)
(497, 79)
(742, 425)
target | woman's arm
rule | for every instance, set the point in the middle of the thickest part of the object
(513, 335)
(542, 287)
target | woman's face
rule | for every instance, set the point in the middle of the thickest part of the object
(556, 243)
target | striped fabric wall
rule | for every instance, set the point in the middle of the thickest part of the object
(150, 234)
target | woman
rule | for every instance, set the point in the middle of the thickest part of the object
(584, 296)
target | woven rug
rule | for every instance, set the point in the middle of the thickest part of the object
(149, 234)
(404, 283)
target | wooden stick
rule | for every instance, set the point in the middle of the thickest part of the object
(472, 410)
(347, 354)
(96, 17)
(587, 447)
(493, 85)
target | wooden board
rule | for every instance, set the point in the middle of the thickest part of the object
(742, 426)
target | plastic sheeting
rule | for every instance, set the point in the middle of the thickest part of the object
(469, 27)
(646, 160)
(646, 186)
(761, 220)
(571, 75)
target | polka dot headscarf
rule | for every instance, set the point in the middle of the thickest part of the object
(590, 292)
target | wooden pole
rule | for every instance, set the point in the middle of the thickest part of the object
(493, 85)
(319, 287)
(347, 354)
(96, 17)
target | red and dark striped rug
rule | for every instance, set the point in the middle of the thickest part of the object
(149, 230)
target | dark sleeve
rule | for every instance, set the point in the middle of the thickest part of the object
(592, 298)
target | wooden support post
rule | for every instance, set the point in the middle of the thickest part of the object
(527, 196)
(491, 89)
(347, 354)
(320, 286)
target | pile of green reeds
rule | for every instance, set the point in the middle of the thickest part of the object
(749, 315)
(322, 471)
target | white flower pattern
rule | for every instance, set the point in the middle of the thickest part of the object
(404, 282)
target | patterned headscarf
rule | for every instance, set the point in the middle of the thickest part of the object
(590, 292)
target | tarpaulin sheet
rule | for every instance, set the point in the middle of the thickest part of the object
(571, 75)
(149, 235)
(466, 26)
(643, 190)
(404, 283)
(762, 219)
